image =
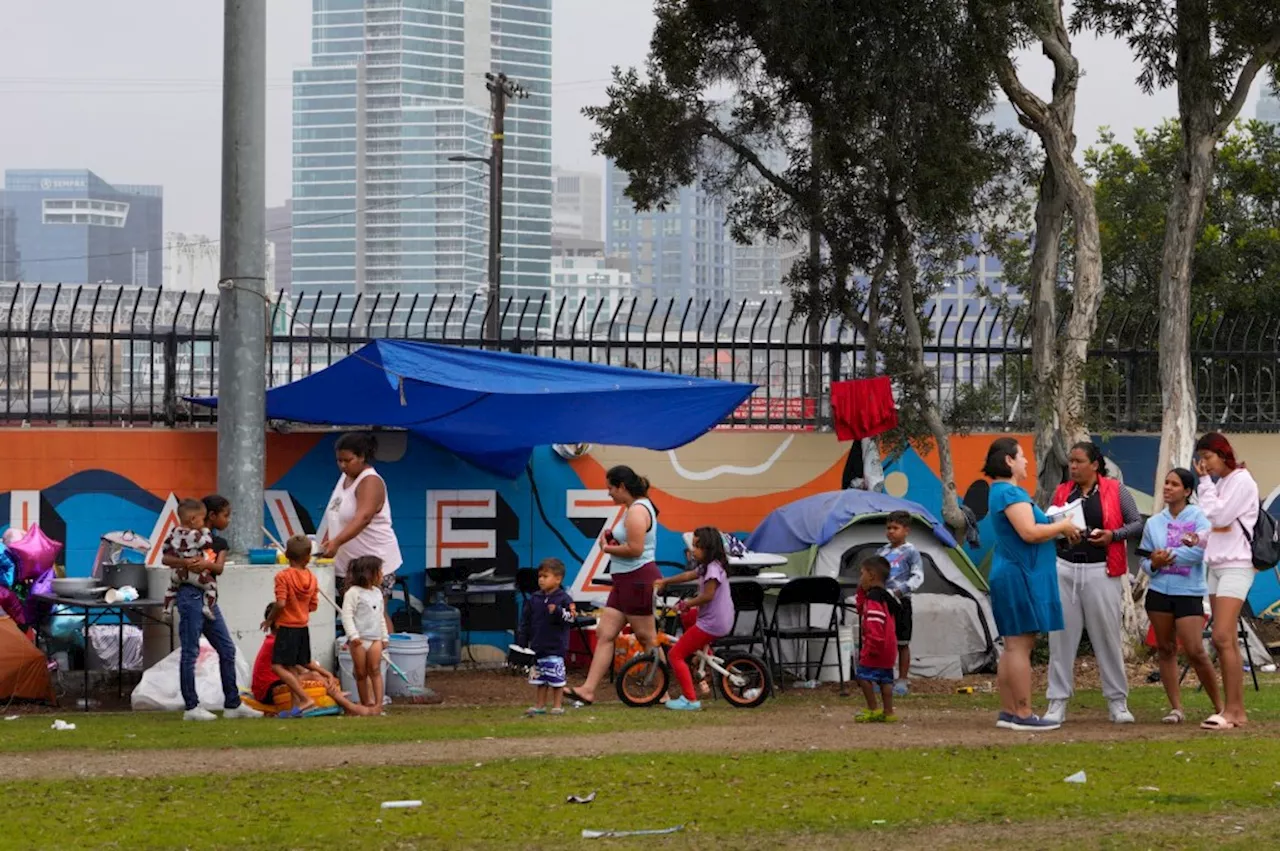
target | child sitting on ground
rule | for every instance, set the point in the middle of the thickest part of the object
(714, 606)
(297, 593)
(906, 575)
(877, 641)
(365, 627)
(544, 629)
(266, 683)
(185, 551)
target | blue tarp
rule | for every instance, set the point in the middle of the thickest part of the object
(492, 408)
(816, 519)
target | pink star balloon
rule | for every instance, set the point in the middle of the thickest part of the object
(34, 552)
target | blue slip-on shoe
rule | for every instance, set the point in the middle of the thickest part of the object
(683, 705)
(1033, 724)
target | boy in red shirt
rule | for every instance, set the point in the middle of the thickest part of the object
(877, 639)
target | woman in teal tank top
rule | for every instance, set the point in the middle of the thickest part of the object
(631, 545)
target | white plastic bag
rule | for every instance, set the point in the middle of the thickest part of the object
(160, 689)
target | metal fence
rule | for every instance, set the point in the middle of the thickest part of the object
(110, 355)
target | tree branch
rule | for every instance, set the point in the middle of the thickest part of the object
(1259, 60)
(710, 128)
(1027, 101)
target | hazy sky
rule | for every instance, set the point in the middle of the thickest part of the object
(130, 89)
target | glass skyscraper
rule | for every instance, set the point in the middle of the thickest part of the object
(73, 227)
(396, 88)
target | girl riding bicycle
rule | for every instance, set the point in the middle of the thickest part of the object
(713, 604)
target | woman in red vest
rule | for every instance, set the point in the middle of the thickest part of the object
(1090, 584)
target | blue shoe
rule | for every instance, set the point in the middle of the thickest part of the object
(1032, 724)
(684, 705)
(1005, 720)
(901, 689)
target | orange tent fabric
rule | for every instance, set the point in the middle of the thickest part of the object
(24, 670)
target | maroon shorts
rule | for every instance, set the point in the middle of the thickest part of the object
(632, 593)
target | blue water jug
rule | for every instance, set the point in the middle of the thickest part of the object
(442, 624)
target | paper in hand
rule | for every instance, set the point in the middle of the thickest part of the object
(1073, 510)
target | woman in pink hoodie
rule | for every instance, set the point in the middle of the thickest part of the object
(1229, 498)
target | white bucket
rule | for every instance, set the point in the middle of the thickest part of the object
(409, 652)
(346, 669)
(844, 648)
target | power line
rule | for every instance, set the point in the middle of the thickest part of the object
(204, 242)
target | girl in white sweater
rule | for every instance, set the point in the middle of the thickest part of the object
(366, 627)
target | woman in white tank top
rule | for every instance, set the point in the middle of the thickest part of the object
(363, 512)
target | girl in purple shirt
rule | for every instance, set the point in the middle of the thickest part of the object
(714, 609)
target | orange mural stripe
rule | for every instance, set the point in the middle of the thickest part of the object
(683, 515)
(593, 503)
(284, 518)
(452, 503)
(26, 519)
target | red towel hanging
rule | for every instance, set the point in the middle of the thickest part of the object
(863, 408)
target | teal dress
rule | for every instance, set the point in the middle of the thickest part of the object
(1024, 577)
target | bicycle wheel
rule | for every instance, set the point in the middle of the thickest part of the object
(643, 681)
(748, 683)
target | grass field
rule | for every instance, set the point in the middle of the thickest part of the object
(1191, 790)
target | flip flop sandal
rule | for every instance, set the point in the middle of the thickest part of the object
(866, 716)
(572, 694)
(290, 713)
(1216, 723)
(1175, 716)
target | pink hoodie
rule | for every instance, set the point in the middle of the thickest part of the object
(1228, 504)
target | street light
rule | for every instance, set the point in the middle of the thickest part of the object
(493, 323)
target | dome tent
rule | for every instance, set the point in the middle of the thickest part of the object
(829, 534)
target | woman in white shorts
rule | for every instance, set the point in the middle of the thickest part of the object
(1229, 498)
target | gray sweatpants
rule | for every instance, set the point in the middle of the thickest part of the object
(1091, 601)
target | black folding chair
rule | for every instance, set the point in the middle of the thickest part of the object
(747, 597)
(800, 595)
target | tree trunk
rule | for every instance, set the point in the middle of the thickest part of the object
(907, 275)
(1177, 382)
(1050, 219)
(1086, 298)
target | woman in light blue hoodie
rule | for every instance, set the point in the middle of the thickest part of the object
(1175, 598)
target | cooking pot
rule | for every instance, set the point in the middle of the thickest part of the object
(126, 573)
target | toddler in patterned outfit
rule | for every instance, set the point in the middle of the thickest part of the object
(187, 547)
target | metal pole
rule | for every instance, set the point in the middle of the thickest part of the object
(242, 307)
(493, 329)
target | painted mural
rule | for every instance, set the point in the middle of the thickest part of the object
(80, 483)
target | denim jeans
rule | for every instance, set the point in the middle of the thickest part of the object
(191, 625)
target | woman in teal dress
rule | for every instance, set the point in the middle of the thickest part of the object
(1023, 580)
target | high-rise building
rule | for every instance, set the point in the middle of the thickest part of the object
(682, 252)
(279, 226)
(577, 209)
(396, 88)
(10, 256)
(72, 227)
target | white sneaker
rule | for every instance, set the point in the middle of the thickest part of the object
(244, 710)
(1119, 709)
(1057, 711)
(199, 714)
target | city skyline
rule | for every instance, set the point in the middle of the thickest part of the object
(149, 97)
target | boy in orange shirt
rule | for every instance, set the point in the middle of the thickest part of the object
(297, 596)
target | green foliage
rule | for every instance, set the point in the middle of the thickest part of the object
(1237, 258)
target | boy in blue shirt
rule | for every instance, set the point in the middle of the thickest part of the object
(906, 575)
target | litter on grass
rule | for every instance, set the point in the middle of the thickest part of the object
(1148, 788)
(400, 805)
(581, 799)
(1078, 777)
(59, 724)
(617, 834)
(12, 717)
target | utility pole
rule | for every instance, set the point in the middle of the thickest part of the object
(501, 89)
(242, 303)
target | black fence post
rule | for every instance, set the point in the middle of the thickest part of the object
(171, 378)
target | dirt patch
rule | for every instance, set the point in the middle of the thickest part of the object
(808, 727)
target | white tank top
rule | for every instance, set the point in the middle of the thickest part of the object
(376, 539)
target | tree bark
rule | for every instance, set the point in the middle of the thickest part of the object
(1050, 219)
(1054, 123)
(907, 275)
